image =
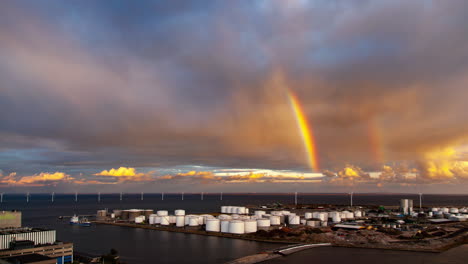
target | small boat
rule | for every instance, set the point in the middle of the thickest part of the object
(84, 222)
(74, 220)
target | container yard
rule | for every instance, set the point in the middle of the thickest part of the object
(427, 229)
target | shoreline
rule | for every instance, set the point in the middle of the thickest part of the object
(462, 239)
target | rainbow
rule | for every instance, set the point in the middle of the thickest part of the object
(306, 133)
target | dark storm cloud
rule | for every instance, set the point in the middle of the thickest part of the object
(160, 83)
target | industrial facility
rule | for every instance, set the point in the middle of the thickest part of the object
(30, 245)
(240, 220)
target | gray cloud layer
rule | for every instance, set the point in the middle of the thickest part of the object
(101, 84)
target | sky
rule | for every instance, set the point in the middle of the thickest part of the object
(255, 96)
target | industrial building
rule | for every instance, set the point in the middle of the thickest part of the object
(30, 245)
(406, 206)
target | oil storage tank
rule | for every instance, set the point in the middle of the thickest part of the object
(179, 212)
(213, 225)
(275, 220)
(180, 220)
(225, 226)
(236, 227)
(250, 226)
(133, 213)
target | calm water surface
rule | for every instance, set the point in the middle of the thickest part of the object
(148, 246)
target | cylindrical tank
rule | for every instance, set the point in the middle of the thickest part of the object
(430, 214)
(357, 213)
(294, 220)
(162, 213)
(157, 219)
(308, 215)
(223, 209)
(241, 210)
(118, 213)
(445, 210)
(453, 210)
(180, 220)
(225, 226)
(276, 213)
(112, 215)
(201, 220)
(193, 221)
(172, 219)
(229, 209)
(224, 217)
(259, 214)
(152, 219)
(285, 212)
(349, 215)
(434, 209)
(101, 215)
(336, 218)
(263, 222)
(148, 212)
(313, 223)
(322, 216)
(125, 214)
(139, 219)
(236, 227)
(213, 225)
(133, 213)
(165, 220)
(179, 212)
(246, 210)
(325, 223)
(250, 226)
(187, 218)
(275, 220)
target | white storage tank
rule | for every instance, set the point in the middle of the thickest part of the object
(250, 226)
(263, 222)
(162, 213)
(223, 209)
(236, 227)
(179, 212)
(308, 215)
(336, 218)
(303, 221)
(349, 215)
(294, 220)
(324, 223)
(224, 217)
(225, 226)
(241, 210)
(230, 209)
(139, 219)
(313, 223)
(193, 221)
(213, 225)
(187, 218)
(180, 220)
(259, 214)
(357, 213)
(275, 220)
(112, 215)
(165, 220)
(172, 219)
(322, 216)
(453, 210)
(157, 220)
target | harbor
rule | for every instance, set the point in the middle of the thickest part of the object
(397, 228)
